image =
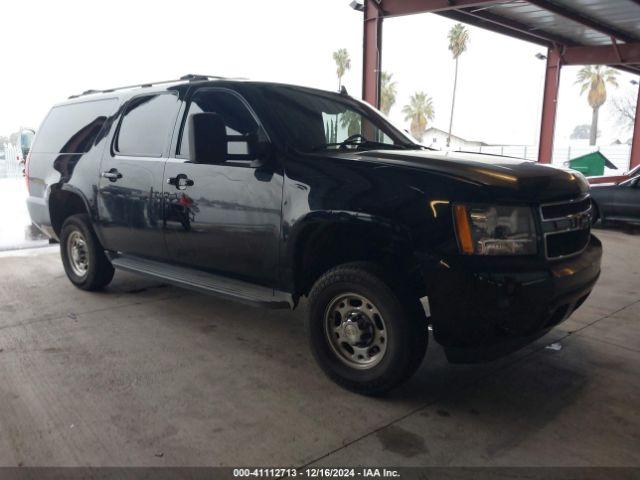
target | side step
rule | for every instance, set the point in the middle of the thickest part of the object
(237, 290)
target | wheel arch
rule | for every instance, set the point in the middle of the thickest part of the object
(324, 240)
(63, 202)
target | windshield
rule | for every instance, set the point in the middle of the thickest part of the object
(311, 120)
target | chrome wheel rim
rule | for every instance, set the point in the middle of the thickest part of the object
(356, 331)
(78, 254)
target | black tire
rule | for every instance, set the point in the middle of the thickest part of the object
(405, 328)
(99, 270)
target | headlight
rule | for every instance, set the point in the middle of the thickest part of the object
(495, 230)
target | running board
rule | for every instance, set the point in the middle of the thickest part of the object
(237, 290)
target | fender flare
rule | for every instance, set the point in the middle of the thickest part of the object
(313, 223)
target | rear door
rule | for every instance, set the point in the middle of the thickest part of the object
(132, 173)
(224, 218)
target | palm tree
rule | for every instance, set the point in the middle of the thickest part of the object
(595, 79)
(458, 39)
(419, 111)
(387, 92)
(343, 63)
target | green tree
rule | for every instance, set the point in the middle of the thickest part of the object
(581, 132)
(458, 39)
(343, 63)
(331, 131)
(351, 121)
(419, 111)
(387, 92)
(595, 79)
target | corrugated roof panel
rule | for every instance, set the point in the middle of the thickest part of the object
(622, 15)
(563, 18)
(541, 20)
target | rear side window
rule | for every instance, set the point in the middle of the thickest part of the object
(73, 128)
(147, 124)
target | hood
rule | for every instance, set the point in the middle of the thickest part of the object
(522, 178)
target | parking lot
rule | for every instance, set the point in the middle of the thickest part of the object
(147, 374)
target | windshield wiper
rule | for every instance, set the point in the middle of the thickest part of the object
(361, 141)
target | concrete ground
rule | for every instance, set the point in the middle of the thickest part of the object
(145, 374)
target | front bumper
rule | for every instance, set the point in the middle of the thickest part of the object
(479, 314)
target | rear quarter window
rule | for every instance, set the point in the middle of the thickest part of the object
(147, 125)
(73, 128)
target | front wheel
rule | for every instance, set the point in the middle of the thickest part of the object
(364, 333)
(83, 257)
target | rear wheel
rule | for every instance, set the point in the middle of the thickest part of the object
(364, 333)
(84, 260)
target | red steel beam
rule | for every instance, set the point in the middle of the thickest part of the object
(511, 30)
(620, 54)
(549, 106)
(635, 143)
(507, 26)
(372, 53)
(394, 8)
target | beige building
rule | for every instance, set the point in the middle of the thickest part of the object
(436, 138)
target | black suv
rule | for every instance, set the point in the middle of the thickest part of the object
(266, 193)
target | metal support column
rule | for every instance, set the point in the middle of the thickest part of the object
(549, 106)
(635, 143)
(372, 51)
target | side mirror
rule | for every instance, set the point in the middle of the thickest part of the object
(207, 138)
(26, 139)
(259, 150)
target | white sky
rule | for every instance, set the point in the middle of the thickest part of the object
(57, 48)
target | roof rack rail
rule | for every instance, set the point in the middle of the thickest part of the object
(190, 77)
(194, 77)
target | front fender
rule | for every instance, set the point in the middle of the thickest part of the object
(340, 235)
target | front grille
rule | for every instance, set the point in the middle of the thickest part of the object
(559, 210)
(566, 227)
(567, 243)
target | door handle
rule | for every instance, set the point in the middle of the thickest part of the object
(180, 181)
(112, 175)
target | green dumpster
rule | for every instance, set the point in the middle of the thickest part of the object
(592, 164)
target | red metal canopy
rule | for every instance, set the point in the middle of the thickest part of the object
(576, 32)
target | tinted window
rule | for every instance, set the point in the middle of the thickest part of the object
(147, 124)
(238, 120)
(312, 120)
(73, 128)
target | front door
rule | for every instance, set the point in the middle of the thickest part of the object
(627, 200)
(224, 218)
(132, 174)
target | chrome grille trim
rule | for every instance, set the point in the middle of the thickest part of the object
(565, 202)
(571, 222)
